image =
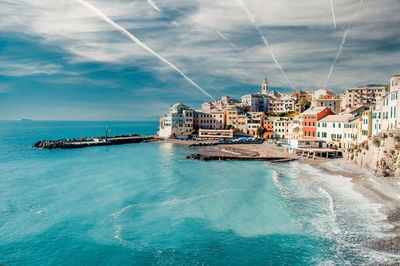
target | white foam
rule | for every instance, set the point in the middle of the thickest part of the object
(231, 152)
(354, 221)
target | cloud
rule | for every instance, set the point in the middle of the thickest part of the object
(19, 68)
(300, 32)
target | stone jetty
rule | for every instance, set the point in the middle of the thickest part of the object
(89, 142)
(204, 157)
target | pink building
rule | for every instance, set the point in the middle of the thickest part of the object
(364, 95)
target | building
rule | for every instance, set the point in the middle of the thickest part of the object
(254, 121)
(332, 101)
(320, 93)
(178, 122)
(295, 132)
(232, 117)
(364, 95)
(365, 125)
(333, 129)
(256, 102)
(376, 111)
(209, 120)
(282, 105)
(225, 103)
(390, 105)
(310, 118)
(268, 125)
(281, 127)
(216, 134)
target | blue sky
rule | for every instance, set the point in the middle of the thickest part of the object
(60, 61)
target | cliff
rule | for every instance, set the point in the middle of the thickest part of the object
(381, 153)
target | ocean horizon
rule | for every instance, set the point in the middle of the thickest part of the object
(145, 204)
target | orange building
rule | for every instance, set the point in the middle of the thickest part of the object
(269, 127)
(310, 119)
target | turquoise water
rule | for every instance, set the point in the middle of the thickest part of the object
(144, 204)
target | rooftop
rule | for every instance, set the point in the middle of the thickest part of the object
(313, 110)
(337, 118)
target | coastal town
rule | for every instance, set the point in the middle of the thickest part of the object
(320, 119)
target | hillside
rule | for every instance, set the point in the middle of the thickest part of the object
(381, 154)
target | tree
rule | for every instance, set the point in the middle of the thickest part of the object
(260, 131)
(229, 127)
(305, 104)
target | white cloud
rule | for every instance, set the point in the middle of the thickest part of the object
(300, 32)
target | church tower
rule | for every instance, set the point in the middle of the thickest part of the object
(264, 87)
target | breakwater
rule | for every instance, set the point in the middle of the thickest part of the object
(89, 142)
(204, 157)
(203, 144)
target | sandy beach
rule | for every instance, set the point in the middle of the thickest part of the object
(384, 191)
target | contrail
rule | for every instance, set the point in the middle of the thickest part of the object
(144, 46)
(337, 56)
(153, 5)
(339, 53)
(333, 13)
(226, 39)
(253, 21)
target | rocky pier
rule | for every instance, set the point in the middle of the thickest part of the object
(204, 157)
(89, 142)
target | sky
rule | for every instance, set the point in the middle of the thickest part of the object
(59, 60)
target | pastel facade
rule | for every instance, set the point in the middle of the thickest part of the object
(376, 117)
(254, 121)
(256, 102)
(295, 128)
(334, 129)
(269, 127)
(333, 102)
(364, 95)
(220, 105)
(178, 122)
(366, 126)
(209, 120)
(310, 119)
(281, 127)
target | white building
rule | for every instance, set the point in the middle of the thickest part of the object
(281, 127)
(333, 129)
(391, 103)
(178, 122)
(376, 111)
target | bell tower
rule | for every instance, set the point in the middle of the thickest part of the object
(265, 87)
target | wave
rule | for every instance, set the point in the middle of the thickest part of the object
(352, 219)
(231, 152)
(174, 202)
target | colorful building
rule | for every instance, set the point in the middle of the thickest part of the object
(268, 125)
(364, 95)
(310, 119)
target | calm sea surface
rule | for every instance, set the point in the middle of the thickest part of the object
(144, 204)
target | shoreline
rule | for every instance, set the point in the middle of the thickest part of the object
(383, 191)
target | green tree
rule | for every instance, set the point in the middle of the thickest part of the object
(305, 104)
(260, 131)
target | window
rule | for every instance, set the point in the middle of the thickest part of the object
(318, 134)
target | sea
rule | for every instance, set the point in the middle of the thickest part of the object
(145, 204)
